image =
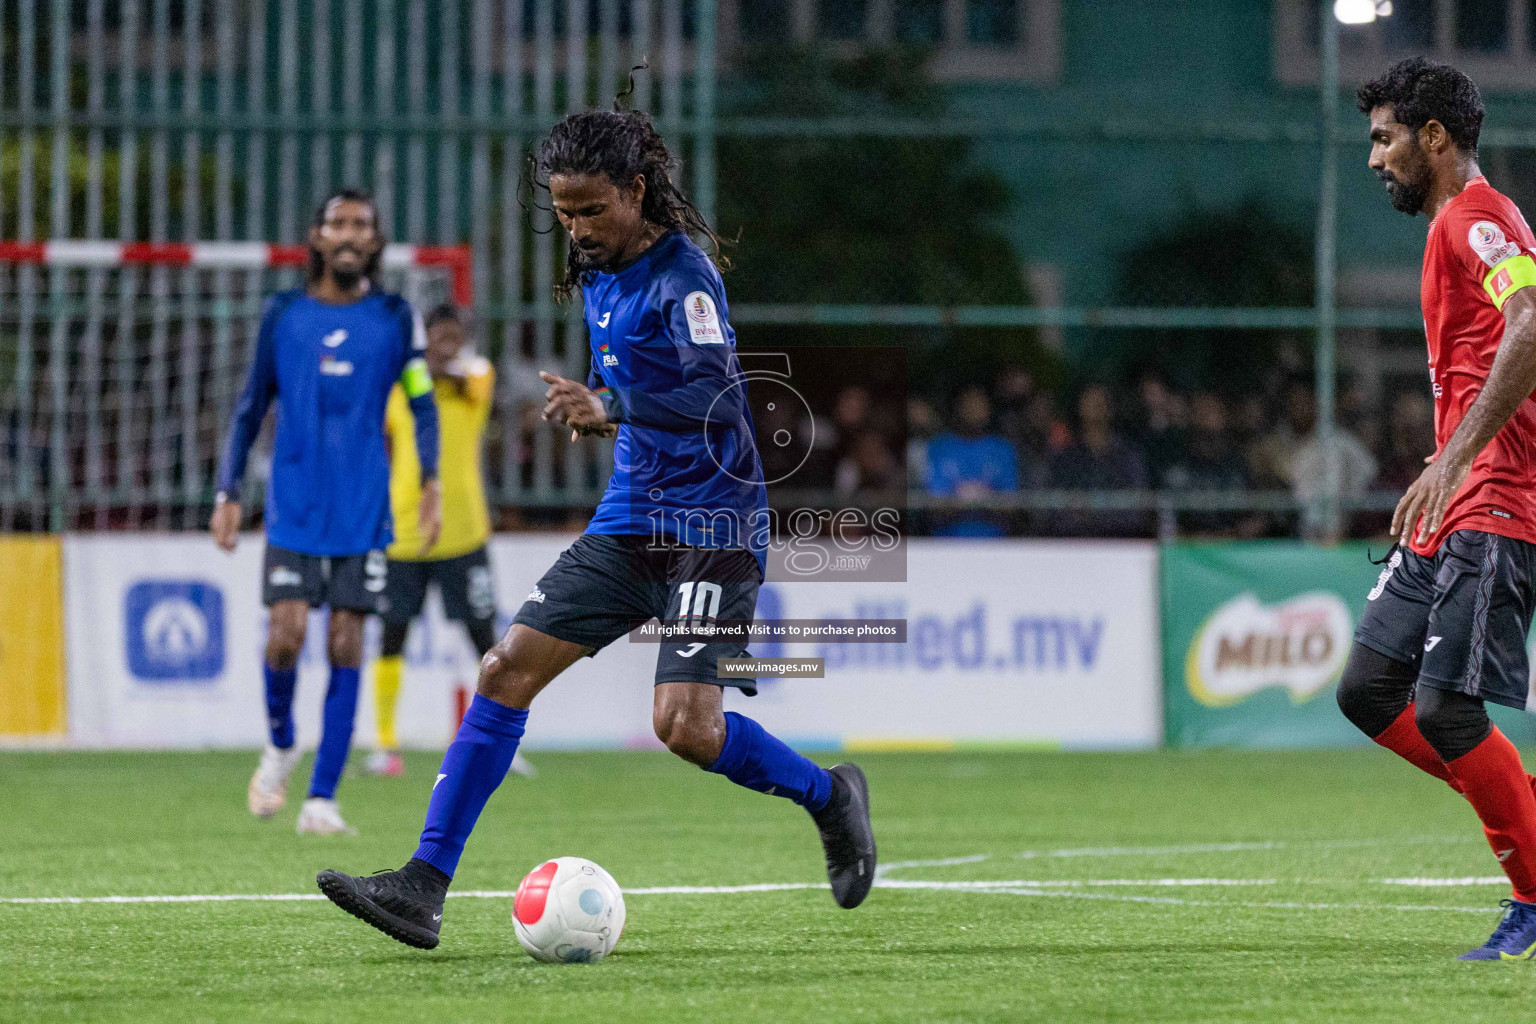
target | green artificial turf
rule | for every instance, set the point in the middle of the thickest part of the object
(1323, 939)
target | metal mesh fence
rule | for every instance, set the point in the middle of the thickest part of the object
(117, 384)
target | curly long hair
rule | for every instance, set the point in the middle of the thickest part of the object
(619, 144)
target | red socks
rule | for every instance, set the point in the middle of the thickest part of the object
(1403, 738)
(1494, 781)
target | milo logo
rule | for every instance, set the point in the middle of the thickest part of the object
(1246, 646)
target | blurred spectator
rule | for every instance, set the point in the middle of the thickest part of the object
(970, 465)
(1271, 454)
(1099, 460)
(867, 465)
(1209, 460)
(1346, 460)
(850, 415)
(922, 424)
(1410, 440)
(1044, 433)
(1012, 395)
(1156, 428)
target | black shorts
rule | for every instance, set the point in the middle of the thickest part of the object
(348, 582)
(465, 583)
(603, 586)
(1462, 617)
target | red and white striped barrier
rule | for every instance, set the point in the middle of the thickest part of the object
(457, 259)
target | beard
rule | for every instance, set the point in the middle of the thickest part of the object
(1406, 196)
(347, 278)
(588, 259)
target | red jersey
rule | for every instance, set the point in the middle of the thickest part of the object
(1462, 292)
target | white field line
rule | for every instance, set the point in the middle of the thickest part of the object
(1242, 904)
(1440, 883)
(1065, 888)
(1155, 851)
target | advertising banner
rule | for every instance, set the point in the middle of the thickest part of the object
(1044, 642)
(31, 638)
(1036, 642)
(1255, 637)
(166, 636)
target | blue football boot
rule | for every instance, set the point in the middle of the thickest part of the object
(1513, 939)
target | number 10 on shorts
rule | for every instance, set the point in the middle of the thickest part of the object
(705, 598)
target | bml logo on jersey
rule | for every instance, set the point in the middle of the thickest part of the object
(174, 630)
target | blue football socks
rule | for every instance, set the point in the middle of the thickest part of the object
(336, 732)
(753, 758)
(473, 767)
(280, 684)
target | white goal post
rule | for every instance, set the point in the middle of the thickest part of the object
(120, 363)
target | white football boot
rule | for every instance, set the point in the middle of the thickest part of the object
(522, 766)
(322, 817)
(268, 791)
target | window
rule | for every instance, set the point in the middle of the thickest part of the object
(919, 22)
(1411, 27)
(1493, 41)
(992, 22)
(763, 20)
(1482, 25)
(968, 40)
(841, 19)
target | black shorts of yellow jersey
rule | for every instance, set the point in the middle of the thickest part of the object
(465, 583)
(348, 582)
(602, 586)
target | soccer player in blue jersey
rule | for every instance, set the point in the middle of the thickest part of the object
(328, 355)
(679, 534)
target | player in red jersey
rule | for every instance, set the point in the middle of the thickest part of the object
(1445, 627)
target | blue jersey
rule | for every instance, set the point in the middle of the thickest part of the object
(331, 368)
(958, 464)
(685, 463)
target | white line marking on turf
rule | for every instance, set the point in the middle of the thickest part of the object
(1243, 904)
(1238, 847)
(1437, 883)
(1058, 887)
(941, 862)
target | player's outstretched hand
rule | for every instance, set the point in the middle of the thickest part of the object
(430, 517)
(573, 404)
(225, 525)
(1424, 503)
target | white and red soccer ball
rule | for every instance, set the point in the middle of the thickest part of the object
(568, 911)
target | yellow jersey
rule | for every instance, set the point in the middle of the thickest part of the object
(461, 417)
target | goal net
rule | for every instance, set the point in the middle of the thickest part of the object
(120, 365)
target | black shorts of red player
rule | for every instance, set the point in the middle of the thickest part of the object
(1461, 617)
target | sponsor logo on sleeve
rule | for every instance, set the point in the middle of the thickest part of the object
(703, 320)
(1488, 241)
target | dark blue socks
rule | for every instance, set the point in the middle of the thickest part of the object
(473, 767)
(755, 759)
(336, 732)
(280, 684)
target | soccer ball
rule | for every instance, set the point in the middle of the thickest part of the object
(568, 911)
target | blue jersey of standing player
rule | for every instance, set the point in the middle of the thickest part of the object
(685, 463)
(331, 368)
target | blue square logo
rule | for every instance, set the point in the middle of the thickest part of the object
(174, 630)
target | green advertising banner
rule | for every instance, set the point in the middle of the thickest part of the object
(1255, 636)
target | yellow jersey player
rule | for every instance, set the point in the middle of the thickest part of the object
(458, 563)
